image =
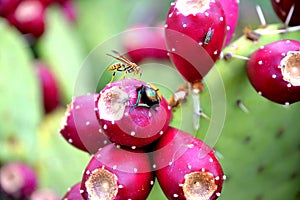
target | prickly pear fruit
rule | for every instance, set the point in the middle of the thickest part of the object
(195, 33)
(231, 10)
(186, 167)
(80, 126)
(283, 8)
(114, 174)
(142, 42)
(29, 17)
(49, 87)
(274, 71)
(132, 113)
(17, 180)
(73, 193)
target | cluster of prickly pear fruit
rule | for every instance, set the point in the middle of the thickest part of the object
(29, 16)
(135, 117)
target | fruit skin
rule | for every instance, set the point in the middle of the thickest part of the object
(142, 42)
(44, 193)
(231, 10)
(131, 168)
(17, 180)
(73, 193)
(177, 154)
(7, 6)
(29, 17)
(80, 126)
(265, 75)
(283, 7)
(125, 123)
(50, 91)
(195, 39)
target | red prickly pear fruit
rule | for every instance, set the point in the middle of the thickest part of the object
(50, 91)
(186, 168)
(8, 6)
(73, 193)
(274, 71)
(80, 125)
(142, 42)
(17, 180)
(133, 113)
(231, 10)
(115, 174)
(29, 17)
(195, 34)
(44, 194)
(282, 9)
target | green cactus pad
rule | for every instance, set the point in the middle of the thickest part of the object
(20, 107)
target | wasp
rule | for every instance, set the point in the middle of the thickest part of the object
(148, 96)
(125, 66)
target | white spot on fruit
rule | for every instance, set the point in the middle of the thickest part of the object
(170, 163)
(120, 186)
(189, 166)
(221, 19)
(200, 43)
(77, 107)
(175, 195)
(132, 133)
(151, 182)
(161, 132)
(227, 28)
(218, 194)
(215, 52)
(211, 160)
(166, 25)
(206, 14)
(135, 170)
(154, 166)
(260, 62)
(70, 140)
(274, 76)
(184, 25)
(289, 85)
(260, 93)
(104, 126)
(288, 42)
(114, 167)
(133, 147)
(224, 177)
(287, 103)
(217, 178)
(87, 123)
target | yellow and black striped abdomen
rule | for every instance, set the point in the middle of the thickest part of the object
(117, 67)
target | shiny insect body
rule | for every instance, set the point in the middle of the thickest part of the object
(125, 66)
(149, 95)
(208, 36)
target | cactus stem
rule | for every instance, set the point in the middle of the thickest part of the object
(242, 106)
(289, 16)
(261, 16)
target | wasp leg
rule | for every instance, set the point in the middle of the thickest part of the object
(113, 77)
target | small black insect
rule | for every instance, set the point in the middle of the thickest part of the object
(208, 35)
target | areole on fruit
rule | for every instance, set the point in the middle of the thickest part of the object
(192, 7)
(290, 67)
(199, 185)
(102, 185)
